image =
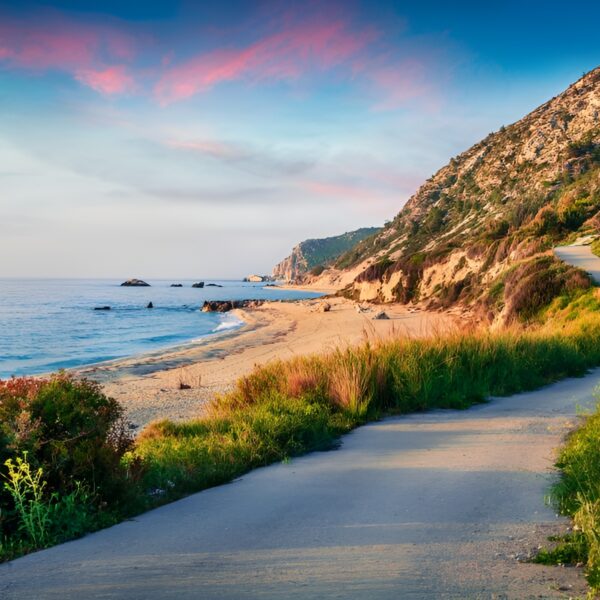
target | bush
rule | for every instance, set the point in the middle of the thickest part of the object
(61, 444)
(533, 284)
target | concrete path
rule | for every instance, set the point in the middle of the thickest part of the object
(580, 256)
(437, 505)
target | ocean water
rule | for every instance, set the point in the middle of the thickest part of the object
(51, 324)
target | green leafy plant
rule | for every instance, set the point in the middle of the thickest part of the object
(26, 486)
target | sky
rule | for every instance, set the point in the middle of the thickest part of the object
(205, 139)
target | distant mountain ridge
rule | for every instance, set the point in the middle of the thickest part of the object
(496, 207)
(315, 253)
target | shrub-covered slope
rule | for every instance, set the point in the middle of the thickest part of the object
(314, 255)
(508, 199)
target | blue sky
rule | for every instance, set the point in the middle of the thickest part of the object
(206, 139)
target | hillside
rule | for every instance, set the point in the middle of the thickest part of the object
(318, 253)
(480, 231)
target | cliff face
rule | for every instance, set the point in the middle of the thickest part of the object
(509, 198)
(317, 253)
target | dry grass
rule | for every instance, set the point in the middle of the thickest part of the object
(186, 380)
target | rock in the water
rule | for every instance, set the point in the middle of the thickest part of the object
(380, 315)
(213, 285)
(135, 283)
(150, 305)
(176, 285)
(199, 284)
(102, 308)
(227, 305)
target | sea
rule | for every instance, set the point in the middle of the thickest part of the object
(51, 324)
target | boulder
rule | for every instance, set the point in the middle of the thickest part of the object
(176, 285)
(101, 307)
(135, 283)
(324, 307)
(380, 315)
(213, 285)
(150, 305)
(199, 284)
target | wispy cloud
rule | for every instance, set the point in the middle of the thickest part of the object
(112, 80)
(94, 54)
(244, 156)
(214, 148)
(285, 55)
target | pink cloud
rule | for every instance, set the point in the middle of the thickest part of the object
(284, 55)
(88, 52)
(112, 80)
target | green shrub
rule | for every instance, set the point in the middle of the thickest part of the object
(44, 519)
(532, 285)
(61, 444)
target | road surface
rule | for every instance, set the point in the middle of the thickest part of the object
(435, 505)
(580, 256)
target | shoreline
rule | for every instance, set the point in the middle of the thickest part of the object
(148, 385)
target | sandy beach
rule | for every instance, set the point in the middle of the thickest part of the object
(148, 386)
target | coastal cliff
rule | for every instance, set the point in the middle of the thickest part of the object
(316, 254)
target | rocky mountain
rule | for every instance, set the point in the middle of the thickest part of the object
(314, 255)
(486, 222)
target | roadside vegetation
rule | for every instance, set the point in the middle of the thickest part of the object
(577, 494)
(61, 447)
(69, 464)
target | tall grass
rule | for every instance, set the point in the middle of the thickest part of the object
(578, 492)
(289, 407)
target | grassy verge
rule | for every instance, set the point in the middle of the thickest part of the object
(577, 494)
(280, 410)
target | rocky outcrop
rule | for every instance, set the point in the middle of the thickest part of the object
(227, 305)
(199, 284)
(176, 285)
(257, 278)
(135, 283)
(315, 254)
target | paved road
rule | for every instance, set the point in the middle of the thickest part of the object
(582, 257)
(425, 506)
